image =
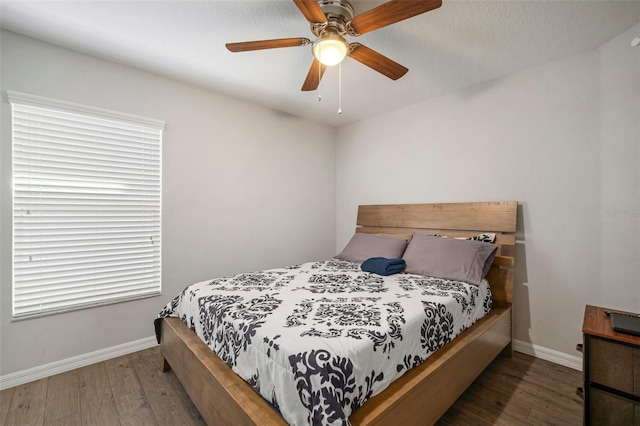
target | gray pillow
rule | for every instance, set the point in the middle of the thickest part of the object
(448, 258)
(365, 246)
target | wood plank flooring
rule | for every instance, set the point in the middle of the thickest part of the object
(132, 390)
(522, 390)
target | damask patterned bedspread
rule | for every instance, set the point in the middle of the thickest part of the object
(317, 340)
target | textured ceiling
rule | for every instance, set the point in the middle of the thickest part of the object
(459, 45)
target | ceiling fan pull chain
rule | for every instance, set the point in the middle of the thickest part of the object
(340, 88)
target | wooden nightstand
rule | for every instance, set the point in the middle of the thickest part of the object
(611, 367)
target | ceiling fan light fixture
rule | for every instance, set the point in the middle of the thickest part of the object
(330, 22)
(330, 49)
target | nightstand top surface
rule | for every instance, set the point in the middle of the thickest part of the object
(597, 323)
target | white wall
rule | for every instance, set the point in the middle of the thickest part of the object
(244, 188)
(620, 168)
(562, 139)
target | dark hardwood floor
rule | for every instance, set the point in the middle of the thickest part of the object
(132, 390)
(522, 390)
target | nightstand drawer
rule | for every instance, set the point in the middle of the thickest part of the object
(609, 409)
(614, 365)
(636, 371)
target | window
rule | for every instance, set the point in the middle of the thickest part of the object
(86, 206)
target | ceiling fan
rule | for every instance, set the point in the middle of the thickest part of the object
(331, 21)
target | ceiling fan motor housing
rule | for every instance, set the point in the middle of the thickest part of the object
(340, 9)
(331, 47)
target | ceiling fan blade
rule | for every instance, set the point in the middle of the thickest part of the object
(377, 61)
(391, 12)
(313, 76)
(311, 10)
(267, 44)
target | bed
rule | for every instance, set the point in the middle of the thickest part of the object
(419, 396)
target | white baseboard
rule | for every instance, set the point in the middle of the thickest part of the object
(556, 357)
(57, 367)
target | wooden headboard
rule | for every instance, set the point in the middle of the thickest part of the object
(453, 220)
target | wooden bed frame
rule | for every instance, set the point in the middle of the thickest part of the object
(423, 394)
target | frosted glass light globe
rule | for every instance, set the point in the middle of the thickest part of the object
(330, 50)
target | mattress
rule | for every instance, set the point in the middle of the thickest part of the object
(317, 340)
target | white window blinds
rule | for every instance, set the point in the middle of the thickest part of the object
(86, 206)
